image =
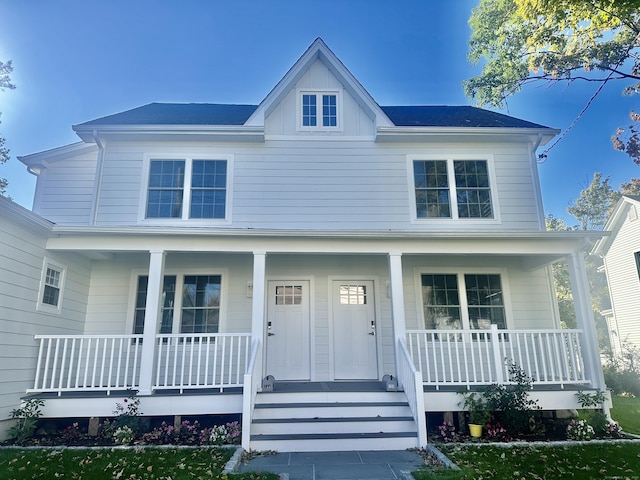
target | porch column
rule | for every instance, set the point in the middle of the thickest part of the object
(397, 301)
(257, 310)
(584, 316)
(151, 320)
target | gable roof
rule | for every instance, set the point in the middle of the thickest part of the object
(236, 115)
(616, 220)
(248, 120)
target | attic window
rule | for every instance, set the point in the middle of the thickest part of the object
(319, 110)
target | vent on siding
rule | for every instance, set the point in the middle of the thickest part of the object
(633, 213)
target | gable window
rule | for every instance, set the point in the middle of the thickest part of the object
(450, 188)
(187, 189)
(51, 287)
(319, 110)
(462, 301)
(195, 309)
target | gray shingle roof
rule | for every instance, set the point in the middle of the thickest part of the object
(452, 116)
(225, 114)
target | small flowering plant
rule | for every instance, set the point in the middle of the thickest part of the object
(448, 432)
(579, 430)
(613, 430)
(496, 432)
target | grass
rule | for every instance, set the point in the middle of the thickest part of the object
(587, 461)
(626, 411)
(116, 463)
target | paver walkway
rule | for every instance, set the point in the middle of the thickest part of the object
(355, 465)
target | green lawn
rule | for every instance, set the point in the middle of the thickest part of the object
(626, 411)
(113, 463)
(590, 461)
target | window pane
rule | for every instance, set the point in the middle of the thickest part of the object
(486, 301)
(309, 115)
(200, 304)
(166, 185)
(208, 189)
(441, 301)
(472, 189)
(51, 295)
(432, 189)
(329, 111)
(353, 294)
(168, 299)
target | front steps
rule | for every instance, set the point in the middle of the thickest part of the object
(328, 420)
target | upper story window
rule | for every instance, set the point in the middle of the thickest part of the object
(51, 287)
(187, 189)
(319, 110)
(451, 188)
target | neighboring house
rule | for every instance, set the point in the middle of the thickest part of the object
(621, 256)
(191, 250)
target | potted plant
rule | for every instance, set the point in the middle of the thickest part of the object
(479, 412)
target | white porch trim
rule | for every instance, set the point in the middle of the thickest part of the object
(151, 323)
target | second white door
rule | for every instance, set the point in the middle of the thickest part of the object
(354, 330)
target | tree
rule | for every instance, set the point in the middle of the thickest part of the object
(595, 202)
(564, 296)
(5, 83)
(628, 140)
(553, 41)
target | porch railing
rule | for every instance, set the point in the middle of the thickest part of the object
(483, 357)
(249, 394)
(87, 363)
(106, 363)
(189, 361)
(410, 380)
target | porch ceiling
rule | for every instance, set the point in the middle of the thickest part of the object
(538, 248)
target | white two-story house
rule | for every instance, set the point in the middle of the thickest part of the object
(290, 262)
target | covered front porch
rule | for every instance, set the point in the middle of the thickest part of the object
(320, 284)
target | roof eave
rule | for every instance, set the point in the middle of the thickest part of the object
(409, 133)
(170, 132)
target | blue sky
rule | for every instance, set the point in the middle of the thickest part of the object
(76, 60)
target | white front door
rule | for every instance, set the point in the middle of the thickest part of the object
(288, 347)
(354, 331)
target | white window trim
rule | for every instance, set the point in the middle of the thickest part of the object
(45, 307)
(318, 92)
(177, 307)
(462, 292)
(452, 189)
(186, 200)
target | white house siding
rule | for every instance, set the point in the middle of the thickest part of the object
(65, 189)
(22, 254)
(113, 284)
(624, 283)
(320, 185)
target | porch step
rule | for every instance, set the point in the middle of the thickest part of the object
(326, 421)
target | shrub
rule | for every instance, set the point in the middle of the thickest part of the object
(622, 371)
(162, 435)
(579, 430)
(27, 418)
(516, 409)
(71, 434)
(497, 432)
(613, 430)
(123, 435)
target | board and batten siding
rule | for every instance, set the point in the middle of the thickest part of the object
(22, 253)
(624, 281)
